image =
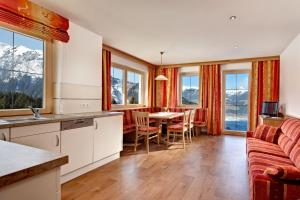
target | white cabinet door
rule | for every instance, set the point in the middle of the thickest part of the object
(46, 141)
(108, 136)
(78, 145)
(4, 134)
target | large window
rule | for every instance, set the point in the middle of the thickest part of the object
(189, 90)
(236, 101)
(126, 86)
(21, 71)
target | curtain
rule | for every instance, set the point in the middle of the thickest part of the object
(166, 95)
(264, 87)
(151, 86)
(211, 96)
(106, 80)
(35, 19)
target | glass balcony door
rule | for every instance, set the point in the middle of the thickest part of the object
(236, 101)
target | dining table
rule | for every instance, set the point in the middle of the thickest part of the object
(164, 117)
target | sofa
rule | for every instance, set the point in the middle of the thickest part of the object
(274, 161)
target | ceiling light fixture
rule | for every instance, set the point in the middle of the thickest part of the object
(232, 18)
(161, 77)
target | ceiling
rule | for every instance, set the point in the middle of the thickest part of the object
(188, 30)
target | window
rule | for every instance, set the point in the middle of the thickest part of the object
(236, 101)
(21, 71)
(134, 85)
(189, 89)
(126, 86)
(117, 86)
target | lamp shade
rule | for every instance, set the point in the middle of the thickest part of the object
(161, 78)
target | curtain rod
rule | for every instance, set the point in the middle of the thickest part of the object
(222, 62)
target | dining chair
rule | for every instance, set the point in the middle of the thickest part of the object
(191, 124)
(143, 130)
(201, 121)
(179, 129)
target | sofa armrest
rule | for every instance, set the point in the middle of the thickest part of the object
(249, 133)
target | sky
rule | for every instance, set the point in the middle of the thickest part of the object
(237, 81)
(29, 42)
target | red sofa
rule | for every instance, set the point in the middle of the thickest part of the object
(274, 162)
(128, 120)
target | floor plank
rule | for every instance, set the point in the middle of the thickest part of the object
(210, 168)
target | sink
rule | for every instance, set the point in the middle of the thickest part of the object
(22, 120)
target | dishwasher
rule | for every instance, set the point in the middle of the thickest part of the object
(77, 143)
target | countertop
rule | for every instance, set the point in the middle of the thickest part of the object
(17, 121)
(19, 162)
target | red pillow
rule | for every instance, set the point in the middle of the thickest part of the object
(284, 172)
(267, 133)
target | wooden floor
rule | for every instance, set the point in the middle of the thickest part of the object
(210, 168)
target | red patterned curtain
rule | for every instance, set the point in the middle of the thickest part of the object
(166, 91)
(151, 86)
(264, 87)
(35, 19)
(211, 96)
(106, 80)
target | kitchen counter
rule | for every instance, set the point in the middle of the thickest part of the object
(18, 121)
(19, 162)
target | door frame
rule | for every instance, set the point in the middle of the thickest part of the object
(224, 73)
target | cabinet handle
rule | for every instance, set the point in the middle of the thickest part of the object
(3, 137)
(57, 140)
(96, 125)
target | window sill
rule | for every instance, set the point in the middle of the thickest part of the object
(127, 107)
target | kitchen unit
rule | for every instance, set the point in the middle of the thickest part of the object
(90, 140)
(29, 173)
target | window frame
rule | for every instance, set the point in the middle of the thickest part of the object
(180, 88)
(237, 71)
(48, 76)
(126, 69)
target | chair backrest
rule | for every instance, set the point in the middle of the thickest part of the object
(192, 116)
(201, 115)
(141, 119)
(186, 117)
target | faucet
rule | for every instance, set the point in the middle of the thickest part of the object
(35, 112)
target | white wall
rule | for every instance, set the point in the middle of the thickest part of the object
(290, 78)
(134, 65)
(77, 76)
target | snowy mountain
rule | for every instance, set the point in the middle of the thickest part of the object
(21, 59)
(190, 96)
(21, 77)
(118, 93)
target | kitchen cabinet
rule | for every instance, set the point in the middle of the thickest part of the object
(78, 145)
(42, 136)
(108, 136)
(4, 134)
(45, 141)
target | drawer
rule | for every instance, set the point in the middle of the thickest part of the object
(34, 129)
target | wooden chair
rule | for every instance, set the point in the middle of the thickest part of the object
(179, 129)
(202, 122)
(191, 124)
(143, 130)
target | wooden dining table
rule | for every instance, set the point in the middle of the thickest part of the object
(164, 116)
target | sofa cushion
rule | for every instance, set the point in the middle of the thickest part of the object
(267, 133)
(291, 128)
(295, 155)
(283, 172)
(262, 159)
(285, 143)
(260, 146)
